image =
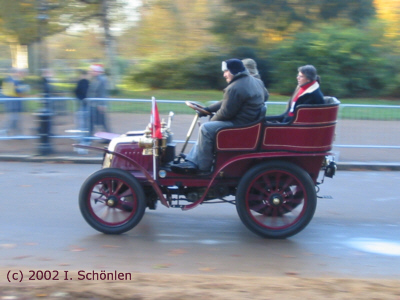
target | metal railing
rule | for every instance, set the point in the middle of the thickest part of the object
(368, 126)
(359, 126)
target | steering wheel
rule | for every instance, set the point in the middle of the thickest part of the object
(197, 107)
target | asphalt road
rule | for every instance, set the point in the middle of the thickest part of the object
(356, 234)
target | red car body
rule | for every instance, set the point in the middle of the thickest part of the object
(266, 166)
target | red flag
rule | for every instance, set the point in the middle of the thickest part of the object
(155, 120)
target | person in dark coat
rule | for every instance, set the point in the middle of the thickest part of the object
(82, 86)
(243, 102)
(307, 92)
(81, 90)
(98, 88)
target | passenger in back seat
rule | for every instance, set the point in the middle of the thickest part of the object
(307, 92)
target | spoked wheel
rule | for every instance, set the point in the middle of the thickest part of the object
(112, 201)
(276, 199)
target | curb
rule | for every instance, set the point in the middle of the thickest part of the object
(341, 166)
(53, 159)
(375, 166)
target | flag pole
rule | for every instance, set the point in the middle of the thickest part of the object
(153, 111)
(154, 159)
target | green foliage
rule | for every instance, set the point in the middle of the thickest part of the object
(28, 20)
(192, 72)
(260, 57)
(19, 19)
(246, 21)
(391, 75)
(350, 61)
(356, 12)
(197, 71)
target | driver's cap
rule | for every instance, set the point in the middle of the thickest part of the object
(234, 66)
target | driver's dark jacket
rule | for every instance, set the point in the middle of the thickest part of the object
(242, 102)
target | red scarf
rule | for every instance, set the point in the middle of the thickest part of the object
(296, 96)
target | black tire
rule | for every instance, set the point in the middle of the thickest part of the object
(112, 201)
(276, 199)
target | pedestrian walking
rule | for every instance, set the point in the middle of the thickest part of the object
(80, 92)
(98, 88)
(14, 88)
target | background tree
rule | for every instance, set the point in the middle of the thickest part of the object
(29, 22)
(105, 9)
(170, 27)
(388, 12)
(176, 45)
(349, 61)
(266, 22)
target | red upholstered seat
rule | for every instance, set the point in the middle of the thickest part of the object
(312, 130)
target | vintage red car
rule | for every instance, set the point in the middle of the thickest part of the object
(268, 170)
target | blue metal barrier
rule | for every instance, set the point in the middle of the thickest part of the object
(355, 129)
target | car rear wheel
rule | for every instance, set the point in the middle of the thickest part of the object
(276, 199)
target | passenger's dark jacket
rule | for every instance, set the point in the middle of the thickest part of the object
(243, 100)
(312, 95)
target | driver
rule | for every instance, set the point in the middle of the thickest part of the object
(242, 104)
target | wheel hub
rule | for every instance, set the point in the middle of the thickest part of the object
(112, 201)
(276, 200)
